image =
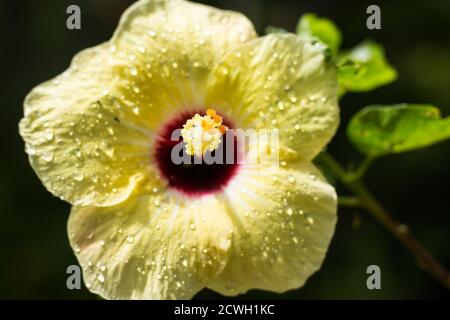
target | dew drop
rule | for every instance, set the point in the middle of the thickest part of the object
(130, 239)
(30, 150)
(79, 177)
(136, 110)
(47, 157)
(101, 277)
(133, 71)
(78, 153)
(49, 135)
(293, 99)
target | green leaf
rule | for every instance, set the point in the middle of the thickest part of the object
(272, 29)
(380, 130)
(322, 29)
(364, 68)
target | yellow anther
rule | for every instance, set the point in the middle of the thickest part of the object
(203, 133)
(217, 119)
(211, 112)
(223, 129)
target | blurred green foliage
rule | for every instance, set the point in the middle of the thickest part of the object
(321, 28)
(364, 68)
(36, 46)
(382, 130)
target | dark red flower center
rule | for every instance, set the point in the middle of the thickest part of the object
(197, 177)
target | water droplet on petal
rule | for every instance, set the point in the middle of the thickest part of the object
(133, 71)
(293, 99)
(47, 156)
(101, 277)
(78, 177)
(30, 150)
(49, 135)
(136, 110)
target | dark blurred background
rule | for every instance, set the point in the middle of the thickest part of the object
(35, 45)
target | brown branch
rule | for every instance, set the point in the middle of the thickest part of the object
(401, 231)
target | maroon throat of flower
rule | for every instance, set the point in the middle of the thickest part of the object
(195, 179)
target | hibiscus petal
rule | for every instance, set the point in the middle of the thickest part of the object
(90, 132)
(284, 219)
(79, 139)
(170, 47)
(152, 246)
(280, 81)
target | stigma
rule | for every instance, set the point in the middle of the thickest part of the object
(203, 133)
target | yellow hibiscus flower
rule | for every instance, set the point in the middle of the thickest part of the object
(142, 227)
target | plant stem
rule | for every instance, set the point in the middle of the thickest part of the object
(401, 231)
(361, 170)
(349, 201)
